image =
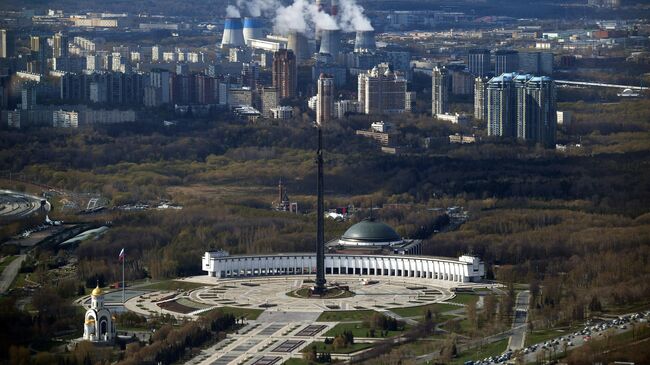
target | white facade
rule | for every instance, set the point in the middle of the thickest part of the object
(461, 270)
(462, 119)
(282, 112)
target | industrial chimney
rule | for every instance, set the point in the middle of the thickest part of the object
(298, 44)
(252, 29)
(364, 41)
(330, 41)
(233, 35)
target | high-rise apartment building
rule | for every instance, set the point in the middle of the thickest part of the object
(440, 85)
(285, 77)
(506, 61)
(41, 51)
(381, 91)
(522, 106)
(538, 63)
(325, 103)
(480, 98)
(539, 122)
(7, 43)
(60, 45)
(501, 106)
(269, 100)
(478, 62)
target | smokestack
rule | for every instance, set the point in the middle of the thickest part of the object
(330, 41)
(233, 35)
(252, 29)
(334, 10)
(364, 41)
(298, 44)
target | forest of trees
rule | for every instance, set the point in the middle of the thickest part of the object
(574, 225)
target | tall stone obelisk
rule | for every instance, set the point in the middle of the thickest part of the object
(323, 114)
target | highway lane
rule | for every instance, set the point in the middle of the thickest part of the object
(519, 325)
(9, 274)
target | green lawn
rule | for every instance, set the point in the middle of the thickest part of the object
(322, 347)
(249, 313)
(495, 348)
(358, 330)
(340, 316)
(641, 331)
(19, 281)
(464, 298)
(172, 285)
(421, 310)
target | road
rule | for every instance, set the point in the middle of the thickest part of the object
(9, 274)
(555, 349)
(519, 324)
(17, 205)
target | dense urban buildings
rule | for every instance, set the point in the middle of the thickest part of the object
(456, 212)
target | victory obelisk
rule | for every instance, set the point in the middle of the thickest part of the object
(323, 114)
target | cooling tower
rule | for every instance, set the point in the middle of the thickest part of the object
(233, 35)
(330, 41)
(252, 29)
(364, 41)
(298, 44)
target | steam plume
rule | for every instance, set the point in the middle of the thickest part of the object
(303, 15)
(352, 18)
(232, 12)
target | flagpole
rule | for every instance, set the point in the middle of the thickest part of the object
(123, 296)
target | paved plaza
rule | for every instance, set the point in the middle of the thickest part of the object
(271, 293)
(288, 324)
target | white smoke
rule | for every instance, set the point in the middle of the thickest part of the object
(352, 18)
(303, 15)
(259, 7)
(292, 18)
(321, 19)
(232, 12)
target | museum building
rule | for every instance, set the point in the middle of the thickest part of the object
(466, 268)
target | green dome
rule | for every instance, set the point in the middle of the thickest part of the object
(371, 231)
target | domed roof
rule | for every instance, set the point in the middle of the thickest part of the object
(97, 291)
(371, 231)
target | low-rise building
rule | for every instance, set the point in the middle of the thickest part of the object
(462, 139)
(65, 119)
(282, 112)
(462, 119)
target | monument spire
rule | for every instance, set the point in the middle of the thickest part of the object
(323, 114)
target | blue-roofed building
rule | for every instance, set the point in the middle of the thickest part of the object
(522, 106)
